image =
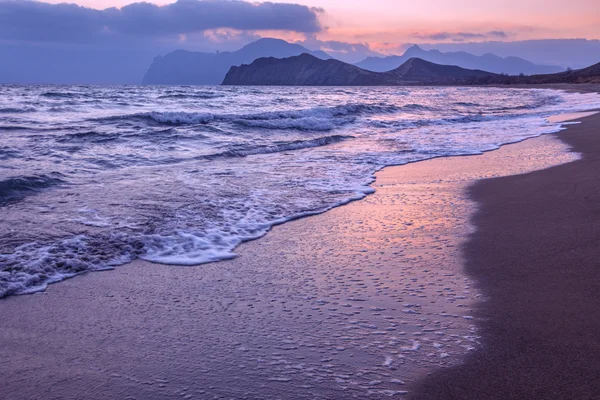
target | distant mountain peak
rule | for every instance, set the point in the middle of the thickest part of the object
(487, 62)
(306, 56)
(194, 68)
(266, 42)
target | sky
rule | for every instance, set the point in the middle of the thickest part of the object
(126, 35)
(387, 25)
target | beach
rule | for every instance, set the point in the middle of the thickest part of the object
(536, 256)
(431, 287)
(299, 200)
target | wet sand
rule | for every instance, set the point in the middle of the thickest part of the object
(360, 302)
(536, 256)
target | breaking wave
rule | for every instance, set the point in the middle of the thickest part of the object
(182, 175)
(318, 118)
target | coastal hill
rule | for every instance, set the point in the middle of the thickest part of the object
(586, 75)
(182, 67)
(304, 70)
(307, 70)
(487, 62)
(422, 71)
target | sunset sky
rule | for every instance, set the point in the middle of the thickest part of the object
(385, 24)
(50, 41)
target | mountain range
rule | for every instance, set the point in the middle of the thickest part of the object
(182, 67)
(127, 61)
(574, 53)
(486, 62)
(307, 70)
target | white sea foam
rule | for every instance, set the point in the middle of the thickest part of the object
(310, 119)
(146, 174)
(180, 118)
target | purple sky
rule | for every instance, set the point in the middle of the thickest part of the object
(108, 41)
(388, 24)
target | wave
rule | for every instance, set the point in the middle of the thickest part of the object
(33, 127)
(12, 127)
(467, 104)
(156, 135)
(281, 147)
(180, 118)
(311, 119)
(202, 96)
(7, 153)
(163, 118)
(62, 95)
(416, 107)
(202, 209)
(15, 189)
(89, 136)
(62, 109)
(539, 103)
(14, 110)
(406, 123)
(32, 266)
(308, 123)
(465, 119)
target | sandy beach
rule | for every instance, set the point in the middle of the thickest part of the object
(366, 300)
(299, 200)
(535, 255)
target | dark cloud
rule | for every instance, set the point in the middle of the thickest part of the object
(461, 36)
(497, 34)
(37, 21)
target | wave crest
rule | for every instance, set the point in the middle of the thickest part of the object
(14, 189)
(311, 119)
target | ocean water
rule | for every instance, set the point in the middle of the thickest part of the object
(93, 177)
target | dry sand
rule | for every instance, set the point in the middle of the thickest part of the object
(536, 255)
(359, 302)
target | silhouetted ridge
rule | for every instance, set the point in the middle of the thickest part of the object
(416, 69)
(307, 70)
(302, 70)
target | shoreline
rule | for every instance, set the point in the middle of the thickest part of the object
(358, 196)
(354, 307)
(535, 256)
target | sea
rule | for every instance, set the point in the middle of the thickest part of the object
(93, 177)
